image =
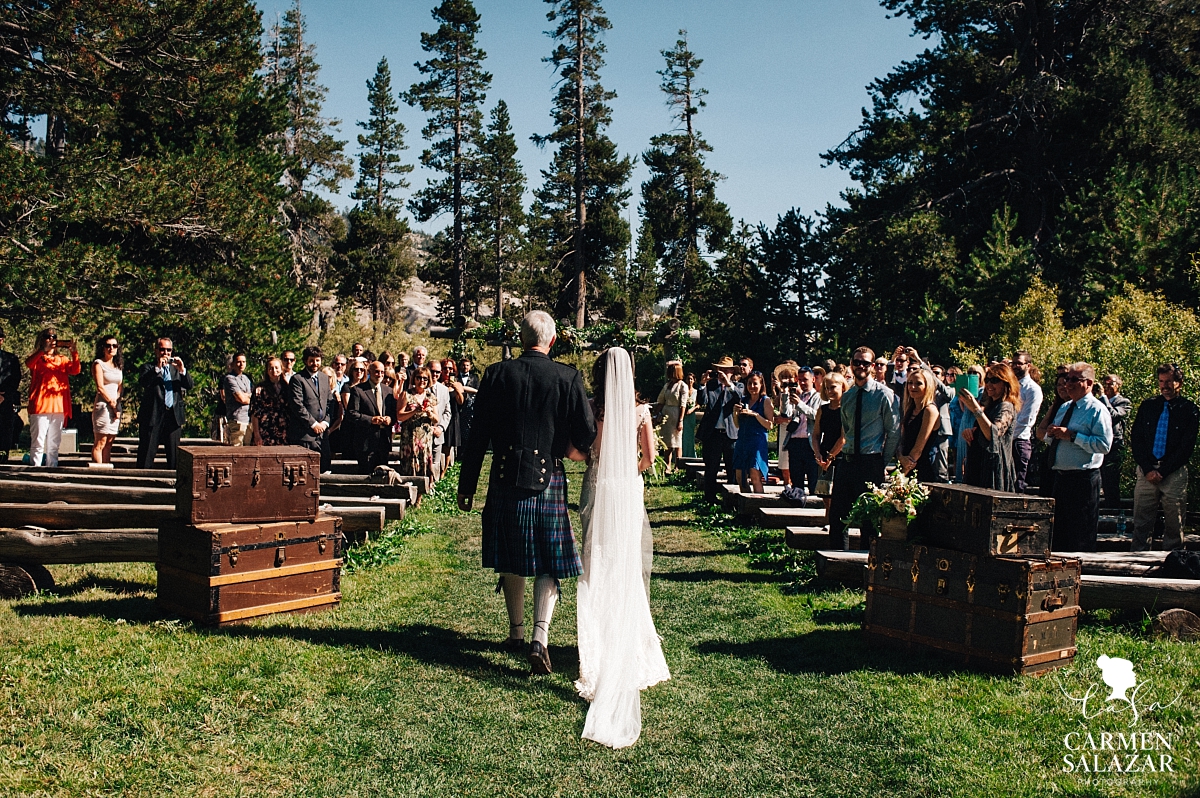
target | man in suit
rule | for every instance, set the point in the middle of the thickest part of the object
(160, 419)
(312, 408)
(717, 398)
(1164, 437)
(371, 411)
(10, 391)
(529, 409)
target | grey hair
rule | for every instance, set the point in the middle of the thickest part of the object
(1086, 370)
(537, 329)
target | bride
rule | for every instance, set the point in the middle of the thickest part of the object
(619, 650)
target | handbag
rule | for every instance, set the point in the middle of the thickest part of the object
(216, 430)
(825, 481)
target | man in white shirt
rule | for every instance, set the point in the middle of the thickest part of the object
(1031, 403)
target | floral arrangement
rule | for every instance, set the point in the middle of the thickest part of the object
(898, 497)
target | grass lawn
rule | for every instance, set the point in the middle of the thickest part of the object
(405, 690)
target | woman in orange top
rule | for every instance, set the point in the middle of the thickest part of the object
(49, 395)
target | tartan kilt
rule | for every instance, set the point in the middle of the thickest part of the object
(530, 534)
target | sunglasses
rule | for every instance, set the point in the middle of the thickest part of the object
(112, 346)
(165, 349)
(289, 360)
(1075, 379)
(992, 380)
(865, 364)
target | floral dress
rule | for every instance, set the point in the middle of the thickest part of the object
(269, 407)
(416, 436)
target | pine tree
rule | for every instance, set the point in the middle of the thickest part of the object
(679, 199)
(375, 260)
(312, 153)
(452, 95)
(583, 195)
(380, 169)
(641, 278)
(498, 215)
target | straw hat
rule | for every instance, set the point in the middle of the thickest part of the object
(787, 370)
(724, 363)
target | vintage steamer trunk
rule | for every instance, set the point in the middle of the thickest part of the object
(1002, 614)
(986, 522)
(221, 573)
(247, 484)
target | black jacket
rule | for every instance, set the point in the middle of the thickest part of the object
(528, 409)
(154, 395)
(365, 436)
(10, 379)
(1181, 434)
(717, 402)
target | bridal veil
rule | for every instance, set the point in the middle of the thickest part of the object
(619, 650)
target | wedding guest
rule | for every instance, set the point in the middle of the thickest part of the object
(802, 404)
(818, 373)
(1079, 437)
(689, 417)
(289, 365)
(754, 417)
(49, 395)
(268, 408)
(1119, 408)
(918, 425)
(442, 393)
(357, 373)
(236, 394)
(989, 439)
(1164, 437)
(961, 421)
(417, 421)
(1031, 404)
(371, 413)
(341, 366)
(1046, 485)
(10, 392)
(312, 407)
(717, 398)
(452, 441)
(672, 401)
(358, 350)
(106, 411)
(872, 429)
(163, 382)
(827, 437)
(469, 381)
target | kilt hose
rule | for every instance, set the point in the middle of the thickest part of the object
(529, 534)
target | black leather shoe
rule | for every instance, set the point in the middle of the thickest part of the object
(539, 659)
(515, 645)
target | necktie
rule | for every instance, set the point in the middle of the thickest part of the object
(316, 381)
(1054, 443)
(858, 400)
(168, 393)
(1160, 432)
(378, 401)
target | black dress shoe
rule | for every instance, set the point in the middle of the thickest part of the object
(515, 645)
(539, 659)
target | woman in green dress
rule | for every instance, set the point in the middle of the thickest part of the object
(689, 418)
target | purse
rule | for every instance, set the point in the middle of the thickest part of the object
(825, 481)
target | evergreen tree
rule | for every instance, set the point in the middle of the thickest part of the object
(679, 199)
(642, 278)
(579, 206)
(312, 153)
(380, 168)
(498, 214)
(375, 262)
(452, 95)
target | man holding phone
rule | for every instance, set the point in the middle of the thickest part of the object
(160, 419)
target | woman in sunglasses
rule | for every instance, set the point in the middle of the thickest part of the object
(268, 408)
(416, 424)
(989, 440)
(49, 395)
(106, 411)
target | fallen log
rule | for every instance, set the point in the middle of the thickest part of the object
(88, 477)
(86, 516)
(1139, 593)
(846, 567)
(79, 546)
(406, 492)
(393, 508)
(82, 468)
(21, 579)
(422, 483)
(29, 492)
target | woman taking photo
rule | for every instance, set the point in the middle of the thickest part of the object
(989, 441)
(753, 417)
(416, 424)
(49, 395)
(672, 400)
(689, 417)
(106, 413)
(920, 419)
(268, 408)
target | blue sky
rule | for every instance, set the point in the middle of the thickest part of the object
(786, 81)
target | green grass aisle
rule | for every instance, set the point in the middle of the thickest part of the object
(404, 690)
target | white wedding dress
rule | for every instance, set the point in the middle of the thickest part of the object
(620, 653)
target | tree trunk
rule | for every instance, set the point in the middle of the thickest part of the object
(459, 283)
(580, 207)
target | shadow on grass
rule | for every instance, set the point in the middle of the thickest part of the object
(138, 609)
(717, 576)
(673, 508)
(119, 586)
(435, 646)
(694, 553)
(827, 652)
(673, 522)
(839, 616)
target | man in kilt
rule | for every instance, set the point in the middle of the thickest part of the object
(529, 409)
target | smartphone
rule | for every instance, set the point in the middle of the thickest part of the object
(968, 381)
(66, 344)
